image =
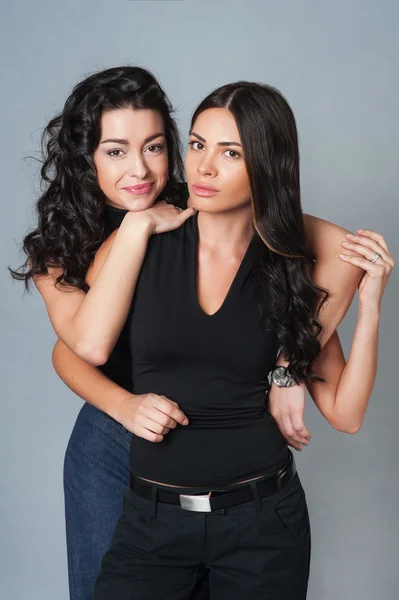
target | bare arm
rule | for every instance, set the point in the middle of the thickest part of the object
(149, 416)
(90, 324)
(344, 398)
(87, 381)
(338, 278)
(341, 280)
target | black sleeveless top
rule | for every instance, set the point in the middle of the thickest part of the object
(215, 367)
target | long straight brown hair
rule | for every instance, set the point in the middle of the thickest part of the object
(289, 299)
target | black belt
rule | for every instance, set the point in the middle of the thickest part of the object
(217, 499)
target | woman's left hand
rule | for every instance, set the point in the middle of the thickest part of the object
(372, 285)
(286, 405)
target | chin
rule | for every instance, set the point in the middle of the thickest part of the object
(210, 205)
(138, 205)
(203, 204)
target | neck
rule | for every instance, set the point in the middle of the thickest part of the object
(227, 232)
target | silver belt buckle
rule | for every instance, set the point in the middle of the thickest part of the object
(200, 503)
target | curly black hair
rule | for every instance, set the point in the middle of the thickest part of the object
(290, 301)
(70, 210)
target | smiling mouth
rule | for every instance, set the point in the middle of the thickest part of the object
(139, 190)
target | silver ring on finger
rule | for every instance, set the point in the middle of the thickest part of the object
(375, 257)
(178, 208)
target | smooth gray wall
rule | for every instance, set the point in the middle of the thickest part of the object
(337, 63)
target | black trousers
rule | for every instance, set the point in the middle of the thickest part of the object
(259, 550)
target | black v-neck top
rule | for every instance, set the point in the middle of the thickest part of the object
(214, 366)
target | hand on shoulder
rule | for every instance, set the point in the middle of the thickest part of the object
(160, 218)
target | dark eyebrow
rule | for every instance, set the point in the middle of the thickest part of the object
(126, 143)
(153, 137)
(115, 141)
(201, 139)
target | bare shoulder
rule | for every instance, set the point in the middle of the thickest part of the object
(315, 226)
(47, 282)
(323, 236)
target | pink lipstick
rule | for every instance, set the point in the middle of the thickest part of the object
(138, 190)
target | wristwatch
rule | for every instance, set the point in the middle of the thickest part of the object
(282, 378)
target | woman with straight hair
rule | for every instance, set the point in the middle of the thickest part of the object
(215, 301)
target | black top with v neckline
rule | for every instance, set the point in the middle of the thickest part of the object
(214, 366)
(240, 273)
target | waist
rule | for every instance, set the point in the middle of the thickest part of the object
(210, 499)
(212, 403)
(205, 457)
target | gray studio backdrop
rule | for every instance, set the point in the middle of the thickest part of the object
(337, 63)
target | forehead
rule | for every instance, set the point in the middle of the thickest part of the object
(217, 124)
(130, 123)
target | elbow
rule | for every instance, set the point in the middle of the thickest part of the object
(350, 428)
(55, 357)
(95, 356)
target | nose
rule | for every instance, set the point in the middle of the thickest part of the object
(137, 166)
(206, 167)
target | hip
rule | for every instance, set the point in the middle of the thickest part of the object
(279, 518)
(94, 430)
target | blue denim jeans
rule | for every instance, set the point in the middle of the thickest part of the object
(96, 474)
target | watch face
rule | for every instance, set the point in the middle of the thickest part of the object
(280, 377)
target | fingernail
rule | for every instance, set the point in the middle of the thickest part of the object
(185, 422)
(345, 243)
(350, 235)
(342, 256)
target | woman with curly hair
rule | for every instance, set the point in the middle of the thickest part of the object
(76, 213)
(277, 262)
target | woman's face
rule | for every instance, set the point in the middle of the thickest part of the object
(216, 173)
(131, 158)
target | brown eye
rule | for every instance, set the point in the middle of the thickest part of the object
(232, 154)
(113, 153)
(196, 145)
(155, 148)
